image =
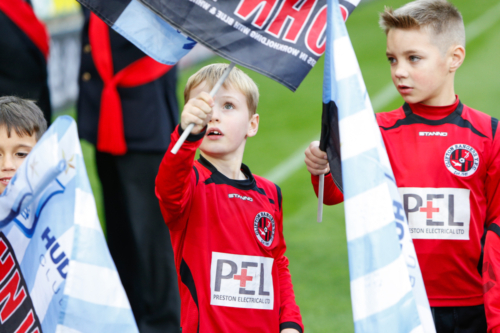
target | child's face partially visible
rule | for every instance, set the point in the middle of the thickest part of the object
(230, 125)
(419, 70)
(13, 151)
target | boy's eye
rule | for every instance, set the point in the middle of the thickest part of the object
(414, 58)
(391, 60)
(21, 155)
(228, 106)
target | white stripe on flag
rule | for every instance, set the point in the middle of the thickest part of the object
(374, 205)
(65, 329)
(379, 290)
(354, 2)
(95, 284)
(18, 241)
(48, 279)
(418, 329)
(346, 63)
(360, 134)
(85, 210)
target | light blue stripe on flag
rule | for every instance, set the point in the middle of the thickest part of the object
(383, 321)
(370, 178)
(105, 319)
(151, 34)
(89, 246)
(372, 251)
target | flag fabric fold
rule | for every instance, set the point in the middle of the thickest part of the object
(143, 27)
(280, 39)
(56, 273)
(387, 290)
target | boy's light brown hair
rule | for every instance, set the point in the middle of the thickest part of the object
(444, 21)
(23, 116)
(236, 79)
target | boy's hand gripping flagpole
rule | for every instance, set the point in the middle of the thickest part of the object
(189, 128)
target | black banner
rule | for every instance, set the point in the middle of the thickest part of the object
(278, 38)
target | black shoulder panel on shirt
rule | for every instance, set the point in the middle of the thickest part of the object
(495, 228)
(188, 280)
(197, 175)
(219, 179)
(290, 324)
(480, 261)
(280, 198)
(455, 118)
(494, 125)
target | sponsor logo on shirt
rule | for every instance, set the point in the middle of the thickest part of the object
(433, 133)
(264, 227)
(437, 213)
(234, 195)
(461, 160)
(241, 281)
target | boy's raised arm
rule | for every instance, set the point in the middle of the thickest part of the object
(176, 177)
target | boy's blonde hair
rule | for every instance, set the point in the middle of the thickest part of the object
(236, 79)
(443, 20)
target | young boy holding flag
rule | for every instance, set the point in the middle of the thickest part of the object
(445, 157)
(225, 223)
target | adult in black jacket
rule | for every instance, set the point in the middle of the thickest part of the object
(138, 239)
(24, 50)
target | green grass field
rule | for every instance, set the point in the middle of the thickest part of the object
(318, 252)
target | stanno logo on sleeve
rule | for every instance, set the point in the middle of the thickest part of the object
(461, 160)
(241, 281)
(264, 227)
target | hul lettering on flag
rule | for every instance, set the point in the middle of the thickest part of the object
(277, 38)
(387, 290)
(56, 273)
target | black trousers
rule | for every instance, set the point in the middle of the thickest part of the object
(139, 240)
(460, 319)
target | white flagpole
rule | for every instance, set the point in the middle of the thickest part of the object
(321, 188)
(188, 129)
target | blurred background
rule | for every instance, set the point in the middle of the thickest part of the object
(289, 122)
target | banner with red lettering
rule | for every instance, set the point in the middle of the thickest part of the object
(282, 39)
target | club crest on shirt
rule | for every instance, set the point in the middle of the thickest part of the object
(461, 160)
(264, 228)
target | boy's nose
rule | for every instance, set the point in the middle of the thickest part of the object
(215, 114)
(400, 72)
(7, 164)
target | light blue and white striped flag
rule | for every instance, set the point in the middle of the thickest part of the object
(387, 290)
(56, 273)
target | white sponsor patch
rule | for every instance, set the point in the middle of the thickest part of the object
(437, 213)
(433, 133)
(241, 281)
(234, 195)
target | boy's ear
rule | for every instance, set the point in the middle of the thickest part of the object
(457, 57)
(253, 126)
